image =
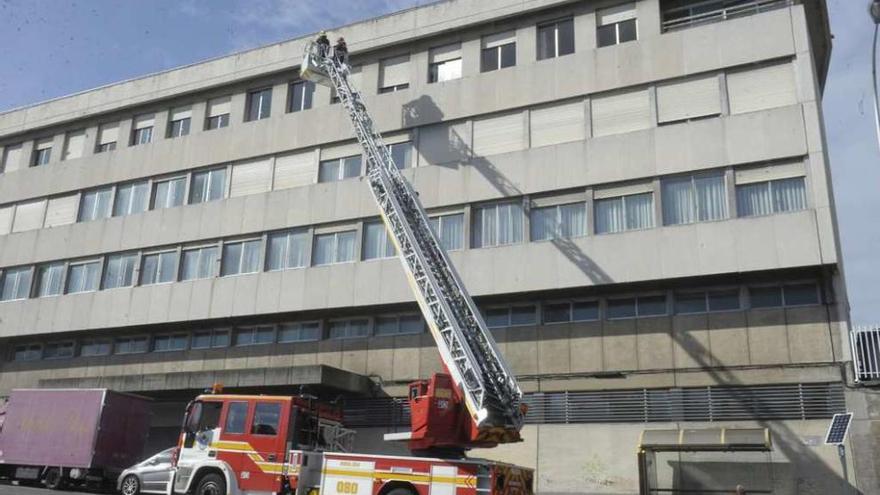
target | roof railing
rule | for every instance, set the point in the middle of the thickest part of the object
(697, 13)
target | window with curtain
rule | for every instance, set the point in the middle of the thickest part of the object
(131, 198)
(299, 332)
(174, 342)
(131, 345)
(198, 263)
(288, 249)
(694, 198)
(159, 268)
(774, 196)
(336, 247)
(15, 284)
(449, 230)
(42, 152)
(95, 204)
(339, 168)
(349, 329)
(377, 241)
(559, 221)
(208, 185)
(49, 279)
(566, 311)
(498, 224)
(95, 347)
(119, 271)
(58, 350)
(241, 257)
(631, 212)
(168, 193)
(83, 276)
(555, 39)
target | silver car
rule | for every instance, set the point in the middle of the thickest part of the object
(149, 476)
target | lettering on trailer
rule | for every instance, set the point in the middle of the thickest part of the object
(345, 477)
(364, 473)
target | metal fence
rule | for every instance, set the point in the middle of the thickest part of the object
(865, 345)
(768, 402)
(684, 13)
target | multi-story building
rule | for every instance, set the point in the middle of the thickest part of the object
(637, 194)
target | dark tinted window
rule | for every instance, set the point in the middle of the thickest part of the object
(606, 35)
(210, 415)
(796, 295)
(627, 31)
(557, 312)
(266, 418)
(690, 303)
(621, 308)
(236, 417)
(723, 300)
(652, 305)
(765, 297)
(585, 311)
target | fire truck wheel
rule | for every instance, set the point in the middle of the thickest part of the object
(54, 479)
(401, 491)
(212, 484)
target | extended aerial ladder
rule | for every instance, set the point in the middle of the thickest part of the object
(493, 410)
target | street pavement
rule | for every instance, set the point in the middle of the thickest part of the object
(9, 489)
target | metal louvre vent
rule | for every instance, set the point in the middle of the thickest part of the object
(766, 402)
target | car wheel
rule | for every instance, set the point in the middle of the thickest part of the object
(131, 485)
(54, 479)
(212, 484)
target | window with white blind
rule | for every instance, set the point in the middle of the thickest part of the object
(82, 276)
(168, 193)
(622, 112)
(159, 268)
(74, 145)
(142, 130)
(241, 257)
(119, 270)
(259, 104)
(179, 122)
(444, 143)
(619, 209)
(690, 98)
(131, 198)
(761, 88)
(497, 224)
(61, 210)
(339, 168)
(295, 169)
(399, 325)
(555, 39)
(108, 135)
(300, 96)
(288, 249)
(50, 278)
(42, 152)
(299, 332)
(15, 283)
(11, 158)
(251, 177)
(6, 214)
(29, 215)
(616, 25)
(558, 221)
(208, 185)
(349, 329)
(449, 230)
(510, 316)
(217, 115)
(335, 247)
(377, 241)
(498, 51)
(444, 63)
(557, 123)
(95, 204)
(198, 263)
(774, 196)
(567, 311)
(394, 74)
(499, 134)
(694, 198)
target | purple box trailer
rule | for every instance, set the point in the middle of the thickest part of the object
(71, 436)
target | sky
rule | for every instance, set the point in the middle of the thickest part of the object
(51, 48)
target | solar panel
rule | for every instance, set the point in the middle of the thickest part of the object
(838, 428)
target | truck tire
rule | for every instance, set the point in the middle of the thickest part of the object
(131, 485)
(54, 479)
(211, 484)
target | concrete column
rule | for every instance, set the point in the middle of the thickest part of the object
(238, 106)
(160, 125)
(526, 45)
(730, 183)
(370, 79)
(57, 147)
(279, 99)
(584, 32)
(648, 15)
(199, 112)
(25, 158)
(658, 203)
(90, 140)
(124, 139)
(591, 227)
(470, 57)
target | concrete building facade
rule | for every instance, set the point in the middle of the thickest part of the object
(636, 193)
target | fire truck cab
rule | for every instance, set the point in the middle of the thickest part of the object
(255, 444)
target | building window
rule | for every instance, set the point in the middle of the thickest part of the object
(499, 51)
(774, 196)
(560, 221)
(218, 113)
(449, 230)
(176, 342)
(255, 335)
(95, 347)
(168, 193)
(399, 325)
(143, 130)
(16, 283)
(108, 135)
(95, 204)
(288, 249)
(566, 311)
(199, 263)
(786, 295)
(444, 63)
(159, 268)
(300, 96)
(349, 329)
(42, 152)
(694, 198)
(11, 157)
(58, 350)
(703, 301)
(131, 198)
(241, 257)
(401, 153)
(208, 185)
(631, 212)
(377, 241)
(337, 247)
(632, 307)
(339, 168)
(50, 279)
(394, 74)
(120, 270)
(498, 224)
(74, 145)
(210, 339)
(555, 39)
(616, 25)
(179, 122)
(27, 352)
(511, 316)
(83, 276)
(259, 104)
(131, 345)
(299, 332)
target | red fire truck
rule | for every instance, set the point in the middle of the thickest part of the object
(240, 444)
